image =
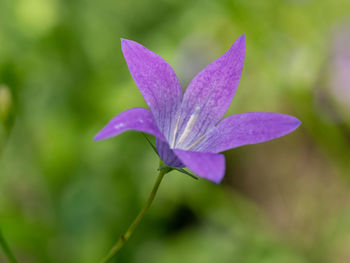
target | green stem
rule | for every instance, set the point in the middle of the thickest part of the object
(6, 249)
(137, 220)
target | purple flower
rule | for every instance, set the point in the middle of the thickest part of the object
(187, 127)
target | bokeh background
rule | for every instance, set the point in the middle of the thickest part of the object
(65, 198)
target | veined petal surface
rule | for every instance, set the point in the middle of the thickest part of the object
(247, 128)
(167, 155)
(209, 95)
(157, 82)
(138, 119)
(210, 166)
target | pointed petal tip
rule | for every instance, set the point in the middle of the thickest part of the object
(242, 37)
(99, 136)
(288, 119)
(218, 179)
(240, 42)
(126, 43)
(296, 122)
(125, 40)
(96, 138)
(239, 46)
(293, 123)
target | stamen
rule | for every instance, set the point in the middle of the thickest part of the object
(175, 131)
(195, 143)
(189, 126)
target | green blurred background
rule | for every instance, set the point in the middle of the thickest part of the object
(65, 198)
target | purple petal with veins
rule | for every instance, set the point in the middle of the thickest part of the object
(247, 128)
(188, 133)
(210, 166)
(208, 96)
(157, 82)
(138, 119)
(167, 155)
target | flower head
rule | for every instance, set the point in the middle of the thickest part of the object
(187, 127)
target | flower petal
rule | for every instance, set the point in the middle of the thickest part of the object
(138, 119)
(248, 128)
(210, 93)
(210, 166)
(167, 155)
(157, 82)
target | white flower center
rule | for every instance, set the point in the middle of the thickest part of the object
(187, 131)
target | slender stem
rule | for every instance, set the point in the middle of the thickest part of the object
(137, 220)
(6, 249)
